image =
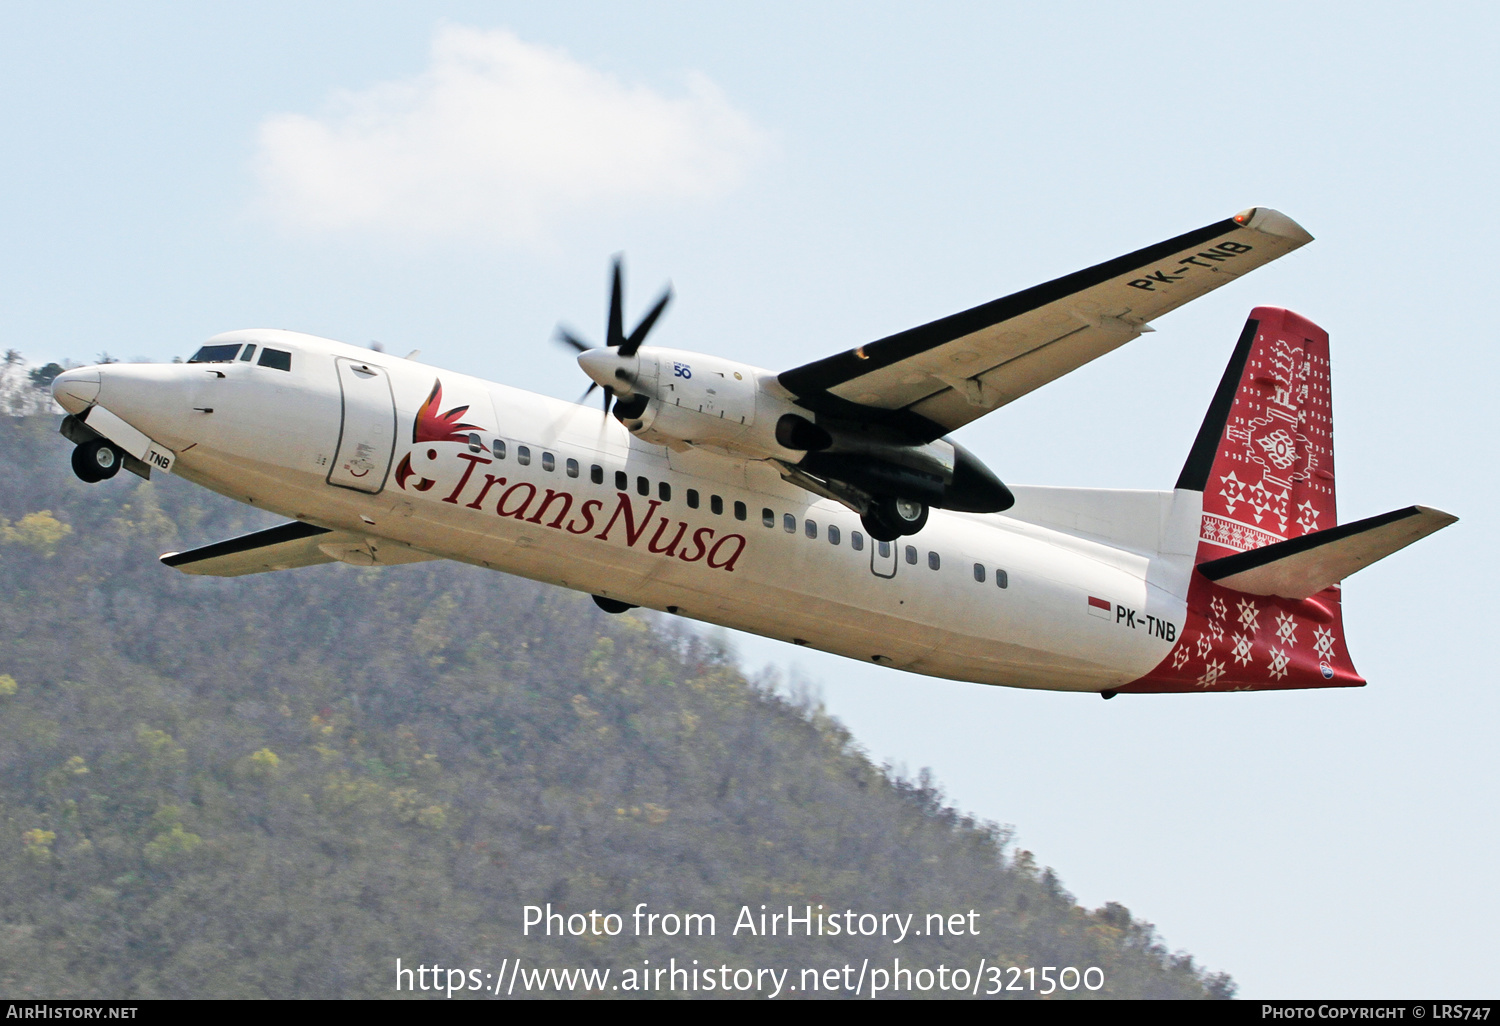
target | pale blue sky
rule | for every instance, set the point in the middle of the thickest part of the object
(868, 168)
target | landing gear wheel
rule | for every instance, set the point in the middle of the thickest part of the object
(96, 461)
(889, 518)
(877, 528)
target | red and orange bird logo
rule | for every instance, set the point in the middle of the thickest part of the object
(431, 426)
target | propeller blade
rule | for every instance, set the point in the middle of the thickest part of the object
(643, 329)
(617, 339)
(604, 420)
(567, 338)
(616, 311)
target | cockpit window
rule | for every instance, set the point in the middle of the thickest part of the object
(215, 354)
(248, 354)
(276, 358)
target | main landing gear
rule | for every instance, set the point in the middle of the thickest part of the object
(888, 519)
(96, 460)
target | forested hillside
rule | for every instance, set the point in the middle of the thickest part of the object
(278, 785)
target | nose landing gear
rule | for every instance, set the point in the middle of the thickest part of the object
(96, 460)
(888, 518)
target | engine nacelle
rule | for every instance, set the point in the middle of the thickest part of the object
(940, 473)
(682, 399)
(679, 399)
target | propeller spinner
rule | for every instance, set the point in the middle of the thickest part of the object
(615, 371)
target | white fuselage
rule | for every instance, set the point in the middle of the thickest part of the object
(807, 572)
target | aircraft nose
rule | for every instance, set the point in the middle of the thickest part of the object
(76, 390)
(154, 398)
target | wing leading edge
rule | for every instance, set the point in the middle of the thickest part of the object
(937, 377)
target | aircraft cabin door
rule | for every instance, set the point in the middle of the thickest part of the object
(882, 558)
(367, 432)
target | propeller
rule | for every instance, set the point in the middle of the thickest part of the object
(615, 337)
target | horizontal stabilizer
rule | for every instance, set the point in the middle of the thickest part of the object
(1299, 568)
(288, 546)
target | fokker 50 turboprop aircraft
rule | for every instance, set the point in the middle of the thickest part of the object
(824, 505)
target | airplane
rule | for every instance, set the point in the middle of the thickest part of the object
(826, 505)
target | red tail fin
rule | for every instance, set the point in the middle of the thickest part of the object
(1263, 461)
(1264, 456)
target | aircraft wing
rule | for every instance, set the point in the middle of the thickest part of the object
(287, 546)
(932, 379)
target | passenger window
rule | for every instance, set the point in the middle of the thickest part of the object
(911, 554)
(549, 462)
(789, 523)
(475, 445)
(215, 354)
(1002, 578)
(664, 491)
(596, 474)
(275, 359)
(885, 549)
(979, 572)
(572, 468)
(740, 512)
(642, 486)
(498, 448)
(811, 528)
(716, 504)
(833, 535)
(692, 497)
(523, 456)
(934, 561)
(768, 518)
(622, 481)
(856, 541)
(248, 354)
